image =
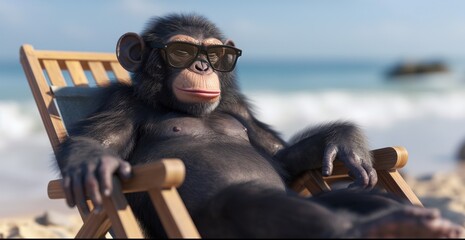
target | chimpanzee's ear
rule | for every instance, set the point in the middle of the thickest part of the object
(129, 51)
(229, 42)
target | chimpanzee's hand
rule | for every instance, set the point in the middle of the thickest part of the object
(357, 160)
(345, 142)
(92, 179)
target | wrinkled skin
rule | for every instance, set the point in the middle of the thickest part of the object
(237, 168)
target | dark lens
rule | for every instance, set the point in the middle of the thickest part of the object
(215, 54)
(181, 55)
(222, 58)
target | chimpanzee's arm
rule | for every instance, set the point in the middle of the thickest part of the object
(314, 148)
(321, 145)
(96, 147)
(261, 136)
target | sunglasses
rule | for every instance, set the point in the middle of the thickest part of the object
(222, 58)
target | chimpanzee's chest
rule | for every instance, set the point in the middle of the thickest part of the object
(177, 125)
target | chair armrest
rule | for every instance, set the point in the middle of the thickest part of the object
(165, 173)
(386, 163)
(159, 179)
(388, 158)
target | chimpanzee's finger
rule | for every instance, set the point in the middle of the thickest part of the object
(78, 191)
(372, 175)
(92, 186)
(124, 170)
(328, 159)
(353, 163)
(67, 187)
(106, 169)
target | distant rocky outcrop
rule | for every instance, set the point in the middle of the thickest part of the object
(461, 153)
(413, 68)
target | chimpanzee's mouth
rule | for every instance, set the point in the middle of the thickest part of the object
(200, 92)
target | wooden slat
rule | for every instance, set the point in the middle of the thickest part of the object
(122, 219)
(162, 174)
(299, 187)
(99, 73)
(315, 183)
(54, 73)
(41, 91)
(120, 73)
(330, 180)
(384, 159)
(168, 172)
(96, 225)
(393, 182)
(77, 56)
(387, 161)
(77, 73)
(173, 214)
(390, 158)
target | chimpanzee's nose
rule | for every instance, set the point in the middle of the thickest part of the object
(201, 67)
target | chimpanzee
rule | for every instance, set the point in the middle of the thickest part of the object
(185, 103)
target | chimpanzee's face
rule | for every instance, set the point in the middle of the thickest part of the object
(194, 79)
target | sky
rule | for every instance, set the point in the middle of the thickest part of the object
(297, 29)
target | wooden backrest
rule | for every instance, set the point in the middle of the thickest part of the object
(66, 87)
(65, 76)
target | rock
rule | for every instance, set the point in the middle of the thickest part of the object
(414, 68)
(54, 218)
(461, 153)
(14, 232)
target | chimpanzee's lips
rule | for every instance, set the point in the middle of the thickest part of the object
(200, 92)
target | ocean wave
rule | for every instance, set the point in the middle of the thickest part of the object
(18, 119)
(429, 124)
(288, 110)
(378, 110)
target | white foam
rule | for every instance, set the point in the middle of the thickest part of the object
(379, 110)
(17, 120)
(431, 125)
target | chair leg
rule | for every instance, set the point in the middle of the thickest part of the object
(96, 225)
(311, 183)
(123, 222)
(173, 213)
(393, 182)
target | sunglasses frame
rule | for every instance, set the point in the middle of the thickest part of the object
(201, 49)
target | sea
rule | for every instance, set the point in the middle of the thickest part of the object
(424, 113)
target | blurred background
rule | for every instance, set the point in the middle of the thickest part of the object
(396, 68)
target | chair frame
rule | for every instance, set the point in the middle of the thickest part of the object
(43, 70)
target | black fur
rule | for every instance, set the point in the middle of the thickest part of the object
(237, 167)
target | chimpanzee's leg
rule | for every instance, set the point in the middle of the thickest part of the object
(254, 211)
(359, 201)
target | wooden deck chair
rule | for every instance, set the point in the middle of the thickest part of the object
(59, 81)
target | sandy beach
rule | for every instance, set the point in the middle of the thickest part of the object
(444, 191)
(61, 226)
(301, 65)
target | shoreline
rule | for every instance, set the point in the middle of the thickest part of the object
(54, 219)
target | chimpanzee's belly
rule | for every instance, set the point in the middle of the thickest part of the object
(216, 152)
(214, 164)
(216, 161)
